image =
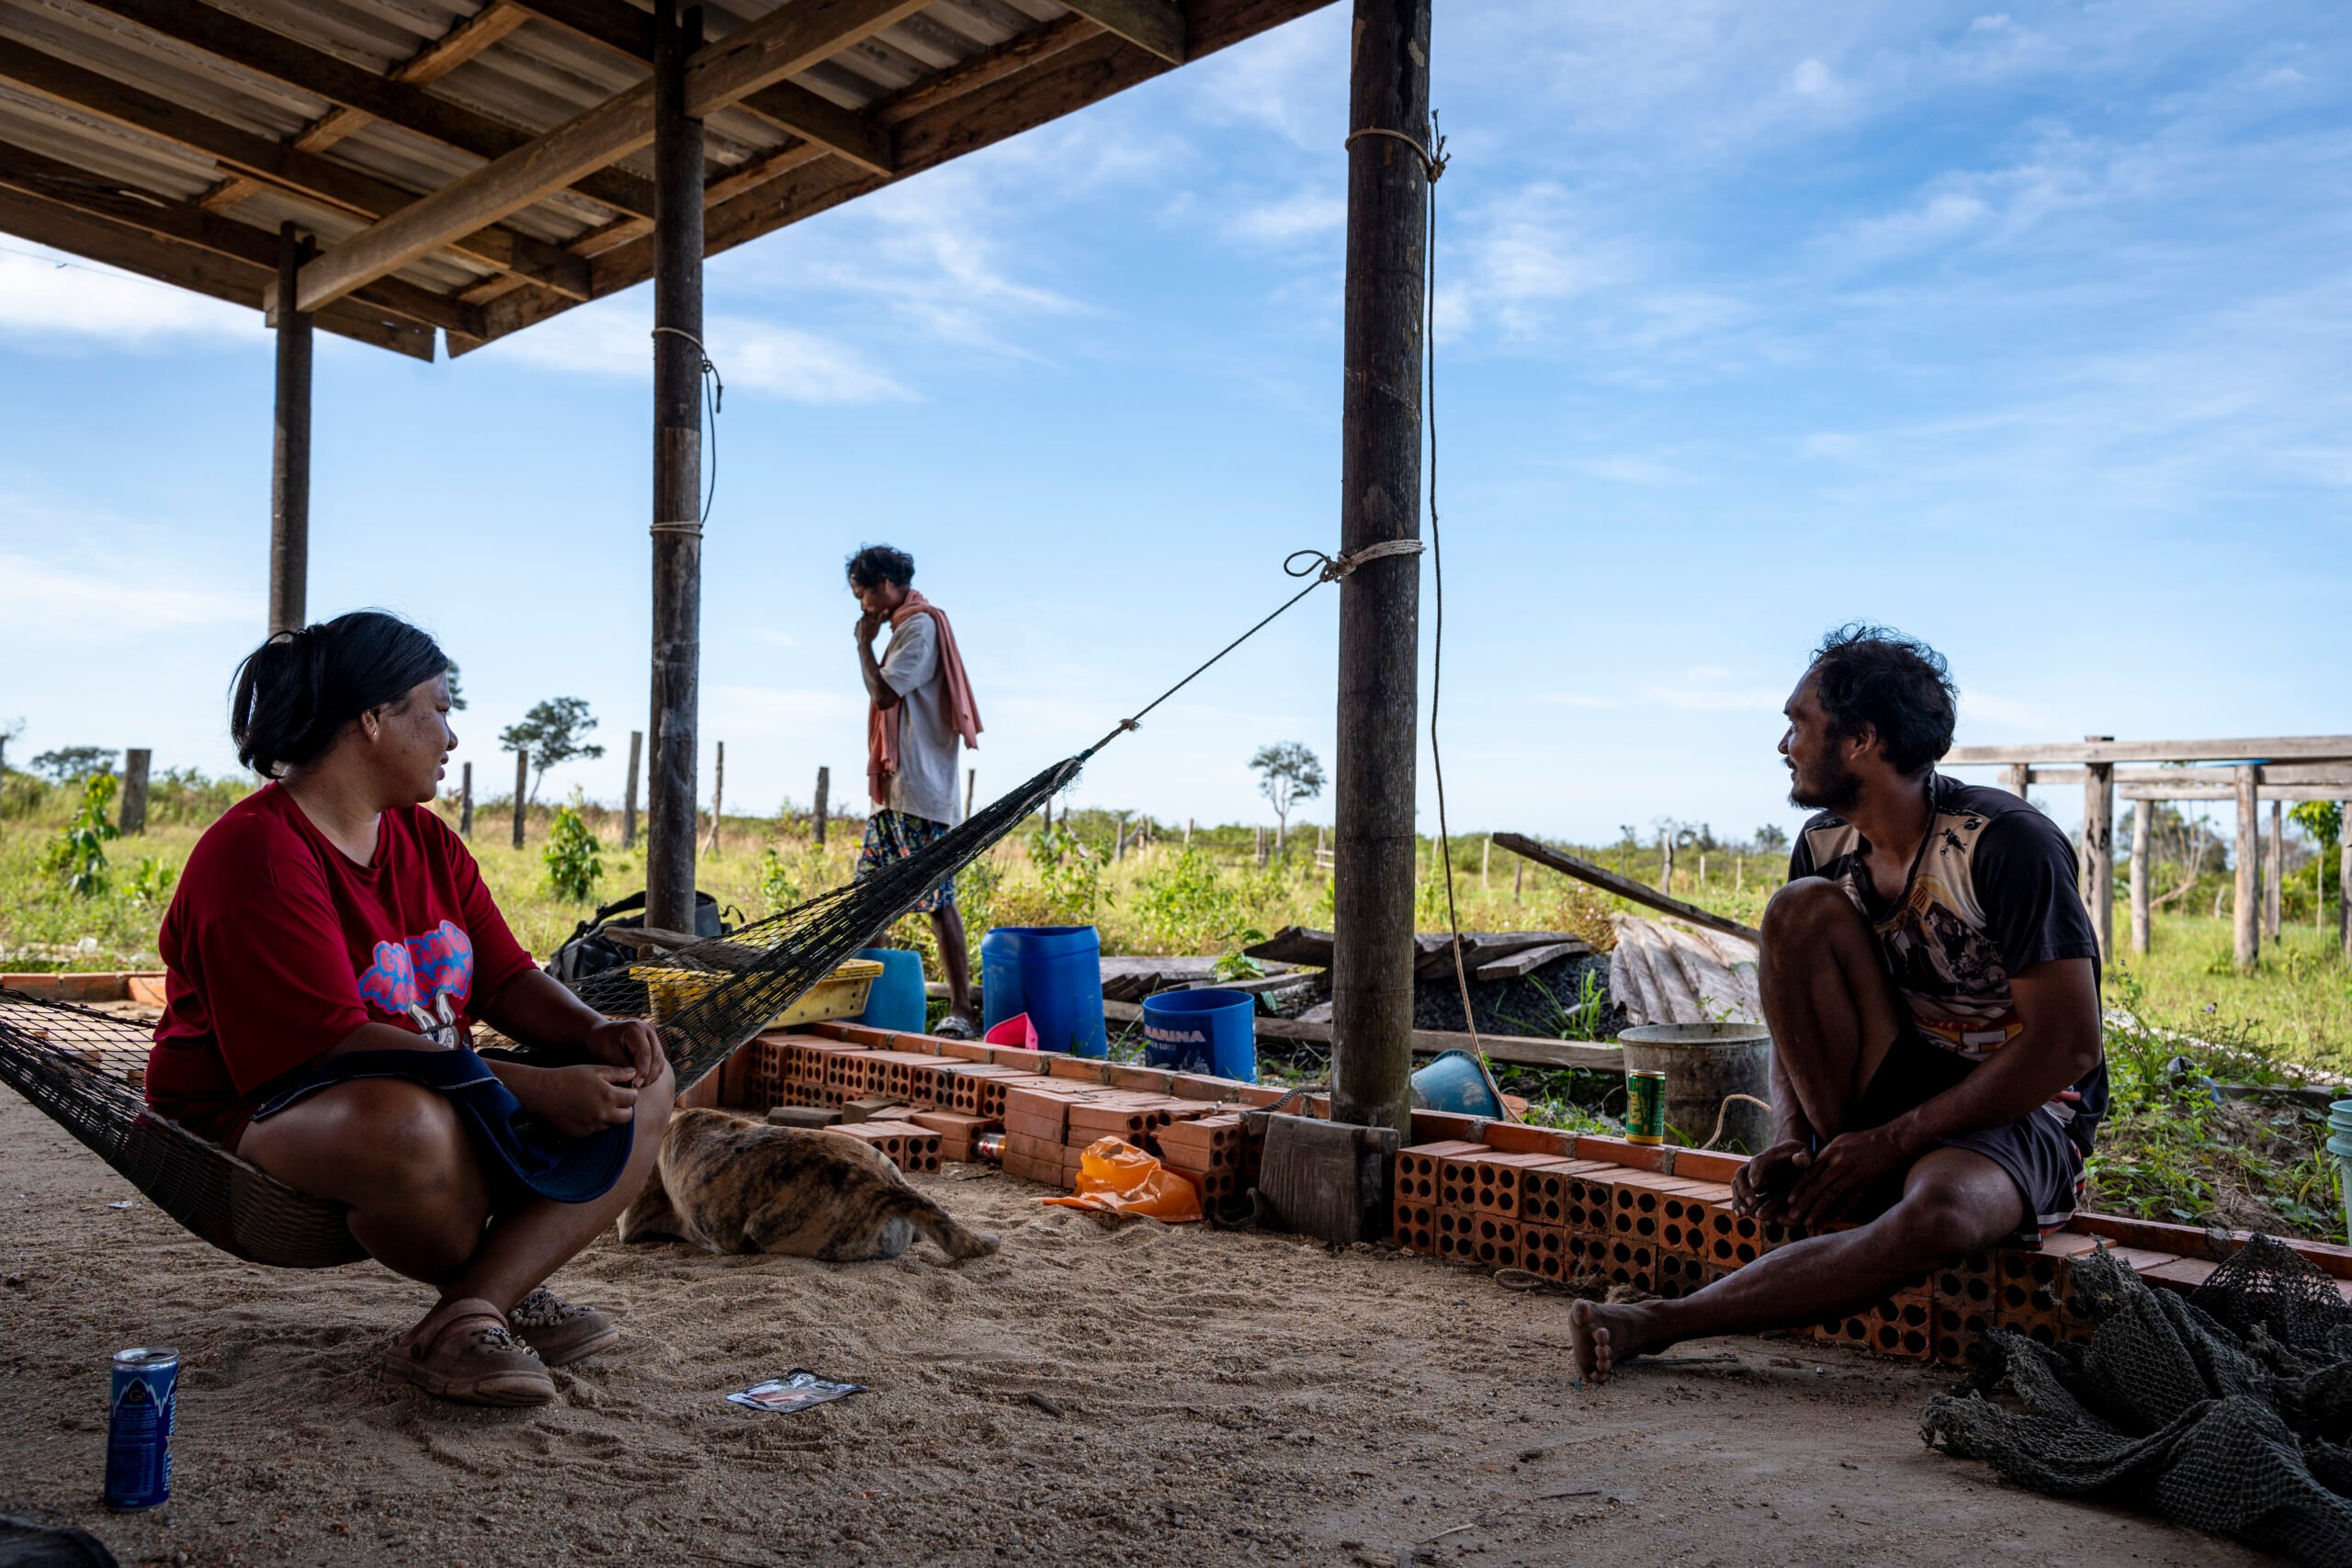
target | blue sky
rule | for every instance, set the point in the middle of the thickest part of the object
(2025, 331)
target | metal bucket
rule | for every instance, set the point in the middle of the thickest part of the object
(1703, 1063)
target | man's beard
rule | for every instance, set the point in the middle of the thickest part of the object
(1836, 791)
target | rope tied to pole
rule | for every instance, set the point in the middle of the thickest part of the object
(1433, 157)
(715, 398)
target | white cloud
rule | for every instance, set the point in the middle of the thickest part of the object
(781, 710)
(48, 295)
(1303, 216)
(128, 600)
(615, 339)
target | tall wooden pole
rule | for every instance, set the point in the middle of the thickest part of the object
(2099, 851)
(521, 780)
(2246, 904)
(289, 458)
(628, 790)
(824, 803)
(2144, 816)
(677, 474)
(1380, 482)
(131, 820)
(2274, 880)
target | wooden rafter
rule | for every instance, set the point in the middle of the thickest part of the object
(1154, 25)
(783, 43)
(185, 267)
(628, 32)
(274, 164)
(251, 47)
(187, 223)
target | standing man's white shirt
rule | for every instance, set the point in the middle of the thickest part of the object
(925, 785)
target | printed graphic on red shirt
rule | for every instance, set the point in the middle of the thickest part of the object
(406, 975)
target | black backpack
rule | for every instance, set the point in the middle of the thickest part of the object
(588, 951)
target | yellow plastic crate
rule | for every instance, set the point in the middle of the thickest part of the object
(841, 994)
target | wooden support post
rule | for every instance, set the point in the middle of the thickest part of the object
(131, 819)
(2274, 881)
(2144, 819)
(628, 789)
(717, 794)
(289, 458)
(521, 779)
(466, 801)
(1380, 482)
(677, 474)
(2020, 777)
(2246, 903)
(2099, 851)
(824, 803)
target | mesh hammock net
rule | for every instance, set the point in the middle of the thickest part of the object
(2227, 1409)
(79, 1065)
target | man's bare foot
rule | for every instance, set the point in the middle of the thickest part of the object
(1601, 1335)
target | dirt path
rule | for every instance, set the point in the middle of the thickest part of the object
(1135, 1395)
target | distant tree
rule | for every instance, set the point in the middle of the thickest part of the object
(1771, 836)
(10, 728)
(72, 764)
(457, 697)
(2323, 822)
(551, 732)
(1287, 774)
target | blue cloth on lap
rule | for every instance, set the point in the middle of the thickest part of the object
(518, 1154)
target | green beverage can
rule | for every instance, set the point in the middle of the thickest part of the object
(1644, 1107)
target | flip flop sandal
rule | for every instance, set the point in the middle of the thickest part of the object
(954, 1027)
(471, 1357)
(559, 1332)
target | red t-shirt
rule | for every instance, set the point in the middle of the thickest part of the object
(277, 947)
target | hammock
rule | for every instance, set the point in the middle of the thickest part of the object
(78, 1065)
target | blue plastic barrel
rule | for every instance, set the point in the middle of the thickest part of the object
(897, 999)
(1202, 1031)
(1052, 973)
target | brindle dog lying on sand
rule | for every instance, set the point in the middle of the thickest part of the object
(730, 1184)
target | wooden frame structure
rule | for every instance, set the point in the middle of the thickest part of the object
(2303, 767)
(406, 173)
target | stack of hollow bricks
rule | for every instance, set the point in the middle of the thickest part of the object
(1572, 1207)
(928, 1099)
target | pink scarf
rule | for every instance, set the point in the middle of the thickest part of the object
(882, 736)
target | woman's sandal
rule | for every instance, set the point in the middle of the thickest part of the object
(464, 1352)
(561, 1332)
(954, 1027)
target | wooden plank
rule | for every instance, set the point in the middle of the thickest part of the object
(469, 37)
(1624, 888)
(2229, 792)
(2272, 749)
(2204, 775)
(628, 32)
(1152, 25)
(1519, 1050)
(186, 267)
(1529, 960)
(273, 163)
(281, 58)
(783, 43)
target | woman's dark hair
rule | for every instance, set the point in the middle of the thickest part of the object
(1897, 685)
(295, 693)
(877, 564)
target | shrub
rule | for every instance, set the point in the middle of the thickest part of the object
(79, 855)
(574, 860)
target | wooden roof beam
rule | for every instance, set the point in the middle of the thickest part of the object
(251, 47)
(783, 43)
(274, 164)
(1155, 26)
(2280, 748)
(187, 223)
(627, 31)
(186, 267)
(2264, 773)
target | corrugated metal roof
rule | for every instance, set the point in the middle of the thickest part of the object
(231, 138)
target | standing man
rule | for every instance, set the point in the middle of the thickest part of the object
(921, 708)
(1930, 978)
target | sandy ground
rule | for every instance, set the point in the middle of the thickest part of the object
(1095, 1394)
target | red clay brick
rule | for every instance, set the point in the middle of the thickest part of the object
(1518, 1138)
(1617, 1151)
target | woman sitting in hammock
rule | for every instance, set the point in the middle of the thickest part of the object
(329, 947)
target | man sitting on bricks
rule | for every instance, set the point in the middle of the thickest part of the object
(1930, 978)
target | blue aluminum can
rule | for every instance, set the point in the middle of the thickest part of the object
(138, 1427)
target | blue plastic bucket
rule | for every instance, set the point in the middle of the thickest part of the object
(1052, 973)
(1457, 1083)
(2339, 1145)
(897, 999)
(1202, 1031)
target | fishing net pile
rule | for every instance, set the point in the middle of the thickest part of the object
(2228, 1409)
(82, 1067)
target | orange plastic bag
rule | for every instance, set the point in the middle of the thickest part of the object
(1116, 1178)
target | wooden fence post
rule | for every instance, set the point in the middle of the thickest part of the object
(466, 801)
(971, 785)
(2144, 816)
(1666, 863)
(521, 779)
(1119, 839)
(1739, 873)
(1188, 832)
(131, 820)
(1262, 845)
(1702, 870)
(2344, 882)
(2098, 850)
(2274, 881)
(824, 791)
(628, 790)
(717, 793)
(1486, 854)
(2246, 903)
(1517, 880)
